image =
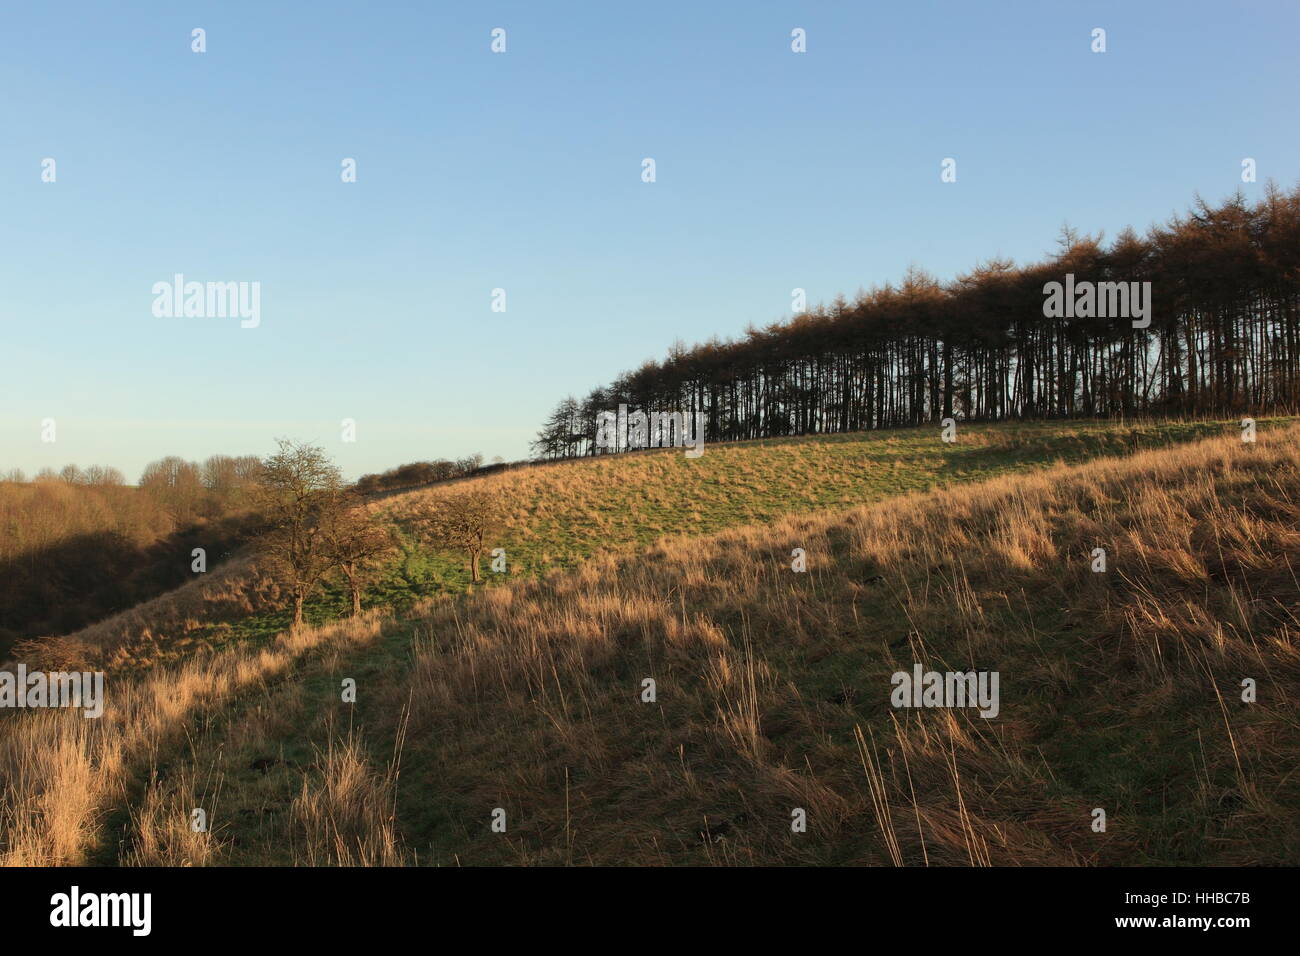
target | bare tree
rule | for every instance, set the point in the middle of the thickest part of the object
(299, 495)
(230, 480)
(353, 541)
(225, 474)
(217, 473)
(464, 521)
(470, 463)
(174, 483)
(103, 476)
(248, 472)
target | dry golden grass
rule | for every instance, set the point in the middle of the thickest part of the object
(64, 776)
(163, 627)
(346, 813)
(1119, 690)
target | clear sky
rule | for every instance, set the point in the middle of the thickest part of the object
(522, 171)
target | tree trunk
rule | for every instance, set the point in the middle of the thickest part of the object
(473, 566)
(354, 586)
(947, 380)
(297, 611)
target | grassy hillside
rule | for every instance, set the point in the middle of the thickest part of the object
(561, 515)
(1119, 690)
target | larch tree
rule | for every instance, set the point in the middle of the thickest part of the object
(1219, 334)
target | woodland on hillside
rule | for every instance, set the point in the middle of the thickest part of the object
(78, 544)
(1224, 339)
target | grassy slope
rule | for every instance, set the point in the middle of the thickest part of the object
(1120, 691)
(525, 697)
(563, 514)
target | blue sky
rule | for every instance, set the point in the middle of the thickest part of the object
(522, 171)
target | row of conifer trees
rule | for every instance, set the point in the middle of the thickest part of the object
(1224, 339)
